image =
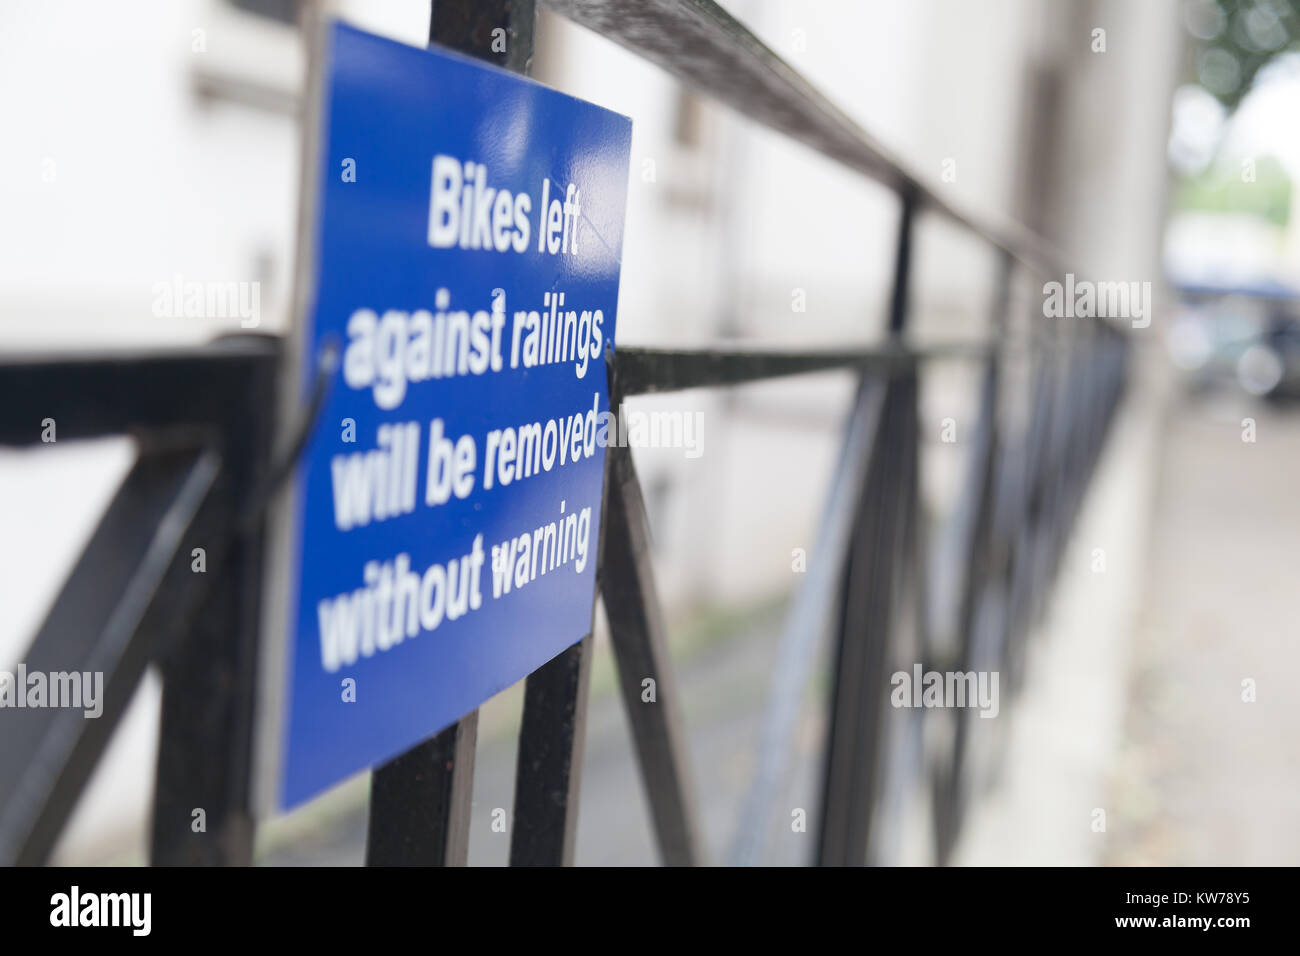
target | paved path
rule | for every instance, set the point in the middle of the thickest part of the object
(1134, 701)
(1205, 777)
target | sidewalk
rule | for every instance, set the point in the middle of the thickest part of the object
(1206, 777)
(1134, 701)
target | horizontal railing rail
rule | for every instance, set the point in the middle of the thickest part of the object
(709, 50)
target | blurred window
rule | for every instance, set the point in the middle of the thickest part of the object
(286, 11)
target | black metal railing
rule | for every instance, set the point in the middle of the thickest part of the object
(205, 431)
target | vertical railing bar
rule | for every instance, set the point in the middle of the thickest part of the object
(641, 653)
(1094, 402)
(977, 572)
(420, 801)
(1057, 477)
(867, 612)
(1028, 519)
(430, 787)
(808, 624)
(205, 747)
(1071, 443)
(552, 734)
(902, 263)
(548, 772)
(902, 733)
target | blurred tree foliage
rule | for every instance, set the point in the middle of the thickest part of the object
(1261, 189)
(1238, 38)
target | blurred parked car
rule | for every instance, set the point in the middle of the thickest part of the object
(1241, 337)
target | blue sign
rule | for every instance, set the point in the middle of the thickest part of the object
(468, 232)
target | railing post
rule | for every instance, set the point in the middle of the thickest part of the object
(978, 570)
(205, 747)
(549, 767)
(420, 801)
(880, 546)
(552, 733)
